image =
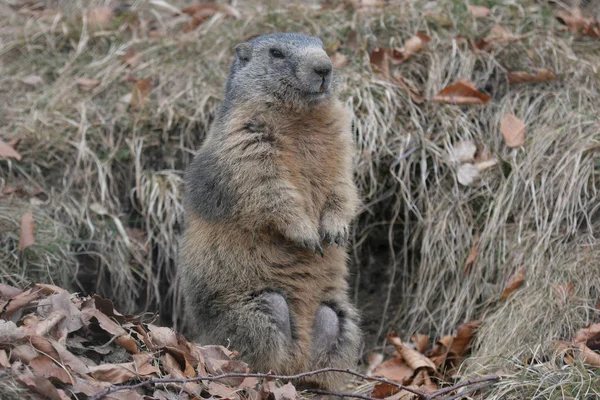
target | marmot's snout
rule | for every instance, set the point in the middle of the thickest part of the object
(315, 73)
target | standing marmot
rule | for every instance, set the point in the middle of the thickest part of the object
(270, 186)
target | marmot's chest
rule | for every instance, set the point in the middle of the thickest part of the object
(312, 160)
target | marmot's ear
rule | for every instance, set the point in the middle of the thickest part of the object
(243, 51)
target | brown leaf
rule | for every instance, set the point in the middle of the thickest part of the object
(44, 366)
(585, 334)
(463, 338)
(223, 391)
(379, 62)
(141, 92)
(473, 254)
(384, 390)
(373, 361)
(200, 12)
(440, 351)
(37, 384)
(513, 130)
(541, 75)
(20, 301)
(119, 373)
(99, 17)
(394, 369)
(87, 83)
(26, 237)
(462, 92)
(339, 60)
(24, 353)
(515, 281)
(589, 356)
(7, 292)
(564, 291)
(412, 46)
(68, 358)
(479, 11)
(420, 341)
(59, 302)
(8, 151)
(577, 23)
(174, 370)
(352, 41)
(32, 80)
(500, 34)
(413, 358)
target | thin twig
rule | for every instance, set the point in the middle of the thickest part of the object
(470, 390)
(492, 379)
(340, 394)
(154, 381)
(488, 381)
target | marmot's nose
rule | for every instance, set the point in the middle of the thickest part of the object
(322, 69)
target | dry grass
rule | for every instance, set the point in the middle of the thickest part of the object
(112, 173)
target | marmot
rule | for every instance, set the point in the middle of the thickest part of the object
(269, 193)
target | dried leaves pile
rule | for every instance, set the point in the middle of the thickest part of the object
(62, 346)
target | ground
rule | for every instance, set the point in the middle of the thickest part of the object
(105, 110)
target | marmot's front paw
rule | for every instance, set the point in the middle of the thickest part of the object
(305, 235)
(333, 230)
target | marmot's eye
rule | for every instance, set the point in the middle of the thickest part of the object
(276, 53)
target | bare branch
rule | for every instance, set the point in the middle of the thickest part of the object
(487, 381)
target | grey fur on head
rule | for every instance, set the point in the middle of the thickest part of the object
(291, 68)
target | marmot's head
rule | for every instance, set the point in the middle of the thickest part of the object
(288, 67)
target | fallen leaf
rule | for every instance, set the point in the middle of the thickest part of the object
(394, 369)
(352, 41)
(24, 353)
(479, 11)
(119, 373)
(42, 365)
(32, 80)
(577, 23)
(20, 301)
(373, 361)
(384, 391)
(339, 60)
(500, 34)
(467, 174)
(7, 292)
(564, 291)
(8, 151)
(412, 46)
(26, 237)
(174, 370)
(141, 92)
(200, 12)
(37, 384)
(463, 338)
(286, 392)
(413, 358)
(379, 62)
(589, 356)
(515, 281)
(440, 351)
(462, 92)
(223, 391)
(420, 341)
(513, 130)
(464, 151)
(87, 83)
(99, 17)
(584, 334)
(9, 332)
(541, 75)
(4, 362)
